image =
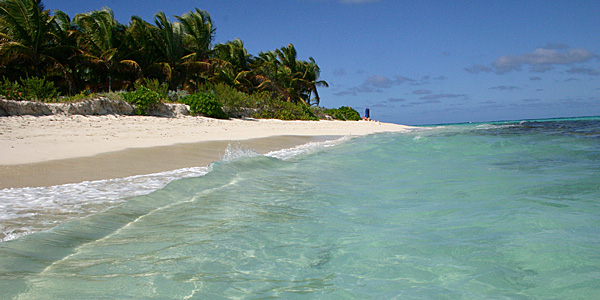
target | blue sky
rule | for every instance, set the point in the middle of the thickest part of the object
(418, 62)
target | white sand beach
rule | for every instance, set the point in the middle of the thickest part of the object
(49, 150)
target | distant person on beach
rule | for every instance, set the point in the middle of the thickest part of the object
(367, 115)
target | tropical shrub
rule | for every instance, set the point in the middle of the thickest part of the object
(345, 113)
(234, 101)
(161, 88)
(83, 95)
(143, 98)
(319, 112)
(10, 90)
(287, 111)
(39, 89)
(205, 104)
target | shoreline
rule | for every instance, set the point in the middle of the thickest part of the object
(60, 149)
(138, 161)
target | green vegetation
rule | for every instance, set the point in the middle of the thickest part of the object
(287, 111)
(10, 90)
(205, 105)
(345, 113)
(143, 98)
(31, 88)
(39, 89)
(45, 54)
(162, 89)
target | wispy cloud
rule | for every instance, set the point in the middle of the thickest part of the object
(379, 83)
(376, 84)
(542, 57)
(345, 93)
(540, 103)
(505, 88)
(442, 96)
(394, 100)
(539, 61)
(427, 101)
(381, 105)
(584, 71)
(382, 82)
(476, 69)
(535, 78)
(424, 100)
(538, 68)
(358, 1)
(421, 92)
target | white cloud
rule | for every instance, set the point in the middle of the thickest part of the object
(476, 69)
(541, 59)
(378, 83)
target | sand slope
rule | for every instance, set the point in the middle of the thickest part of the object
(39, 146)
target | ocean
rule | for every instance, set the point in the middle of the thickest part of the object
(503, 210)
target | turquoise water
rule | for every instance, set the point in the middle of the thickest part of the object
(484, 211)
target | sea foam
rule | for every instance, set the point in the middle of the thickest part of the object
(32, 209)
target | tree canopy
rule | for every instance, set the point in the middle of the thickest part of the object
(94, 52)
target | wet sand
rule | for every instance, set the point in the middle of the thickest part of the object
(51, 150)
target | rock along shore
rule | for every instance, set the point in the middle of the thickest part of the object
(99, 106)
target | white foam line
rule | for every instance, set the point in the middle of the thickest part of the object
(42, 208)
(47, 206)
(289, 153)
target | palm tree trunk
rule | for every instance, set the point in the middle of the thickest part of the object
(110, 69)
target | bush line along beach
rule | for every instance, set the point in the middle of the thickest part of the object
(53, 57)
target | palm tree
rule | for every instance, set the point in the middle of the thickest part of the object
(234, 53)
(200, 32)
(27, 38)
(300, 76)
(170, 46)
(198, 36)
(103, 44)
(65, 33)
(309, 82)
(268, 68)
(288, 57)
(295, 80)
(141, 43)
(234, 66)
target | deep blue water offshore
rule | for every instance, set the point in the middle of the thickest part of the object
(471, 211)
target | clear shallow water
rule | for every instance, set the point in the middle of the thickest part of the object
(489, 211)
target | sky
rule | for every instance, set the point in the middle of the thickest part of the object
(418, 62)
